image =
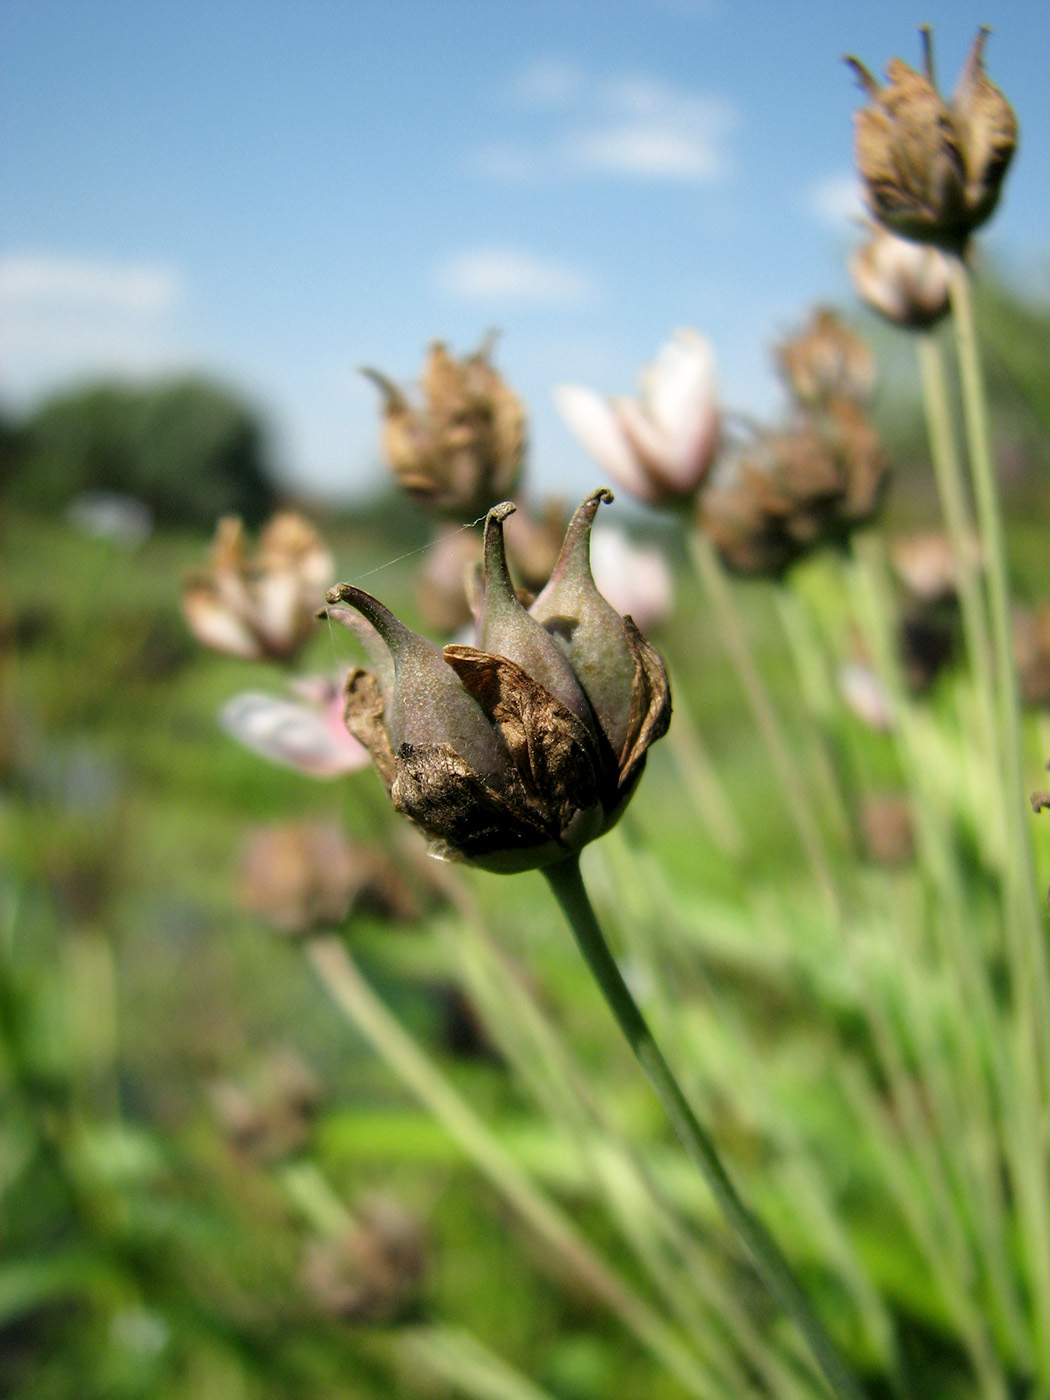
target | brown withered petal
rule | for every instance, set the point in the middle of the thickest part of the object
(988, 129)
(650, 714)
(553, 751)
(365, 720)
(466, 817)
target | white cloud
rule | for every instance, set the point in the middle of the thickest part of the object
(552, 82)
(44, 279)
(650, 152)
(634, 127)
(67, 316)
(836, 202)
(507, 275)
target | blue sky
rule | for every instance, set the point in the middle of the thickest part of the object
(282, 192)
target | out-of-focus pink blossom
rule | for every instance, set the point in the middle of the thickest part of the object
(635, 579)
(866, 696)
(661, 445)
(308, 734)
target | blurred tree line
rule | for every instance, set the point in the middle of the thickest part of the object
(192, 449)
(188, 448)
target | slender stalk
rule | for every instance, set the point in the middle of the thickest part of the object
(351, 992)
(568, 888)
(460, 1360)
(1025, 935)
(951, 490)
(694, 1292)
(734, 638)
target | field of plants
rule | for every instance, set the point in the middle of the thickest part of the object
(290, 1109)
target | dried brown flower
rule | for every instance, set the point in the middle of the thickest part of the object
(932, 169)
(303, 876)
(269, 1113)
(792, 490)
(516, 753)
(261, 606)
(372, 1272)
(826, 361)
(461, 449)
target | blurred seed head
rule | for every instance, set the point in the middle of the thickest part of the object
(269, 1113)
(791, 490)
(517, 752)
(887, 829)
(661, 445)
(305, 876)
(460, 448)
(932, 169)
(826, 361)
(375, 1270)
(260, 606)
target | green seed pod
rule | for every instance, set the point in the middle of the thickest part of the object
(516, 753)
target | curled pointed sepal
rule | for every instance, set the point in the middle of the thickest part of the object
(427, 704)
(588, 629)
(507, 629)
(650, 712)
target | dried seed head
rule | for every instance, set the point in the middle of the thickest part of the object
(462, 447)
(790, 491)
(515, 753)
(933, 169)
(826, 361)
(260, 607)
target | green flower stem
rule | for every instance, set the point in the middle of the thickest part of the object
(568, 888)
(951, 490)
(460, 1360)
(734, 638)
(353, 995)
(694, 1292)
(1025, 933)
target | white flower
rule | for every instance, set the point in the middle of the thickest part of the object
(307, 735)
(661, 445)
(905, 282)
